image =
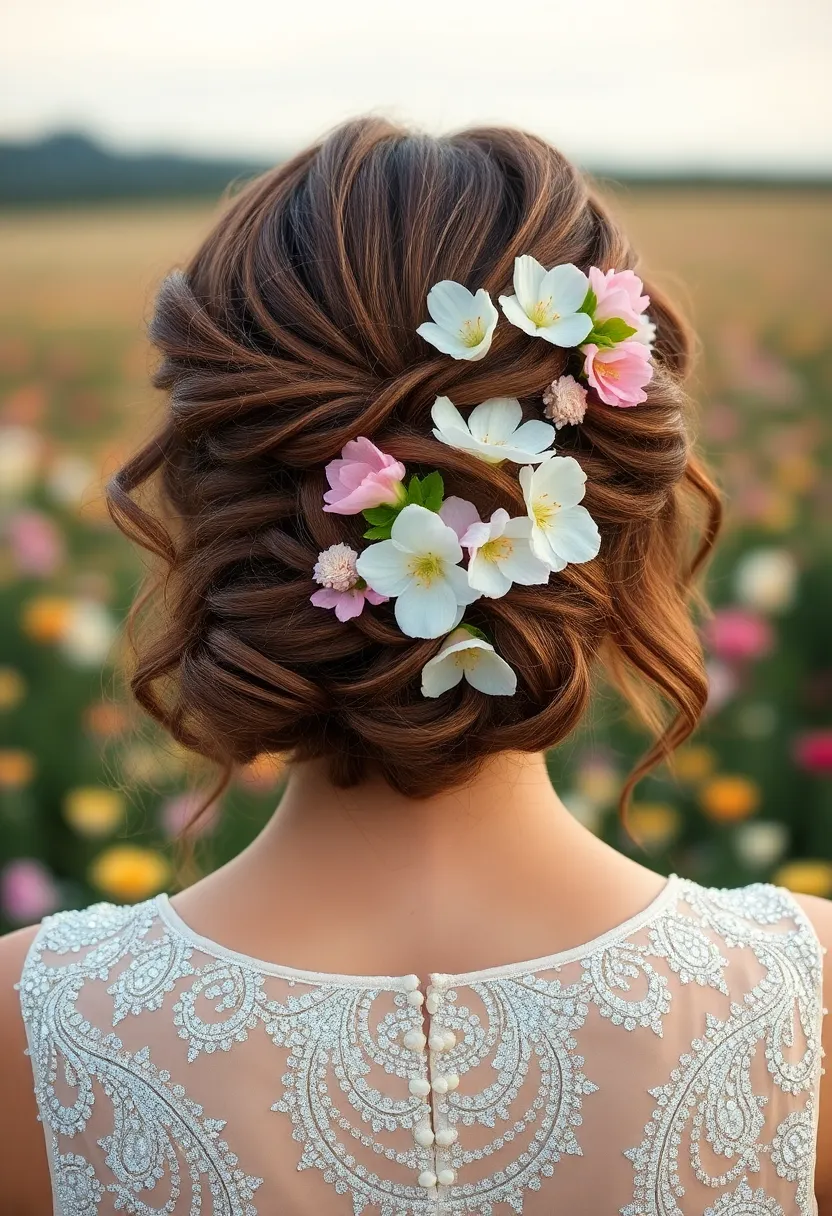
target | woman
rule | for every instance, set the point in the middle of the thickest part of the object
(425, 476)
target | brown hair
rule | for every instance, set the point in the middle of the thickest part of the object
(293, 330)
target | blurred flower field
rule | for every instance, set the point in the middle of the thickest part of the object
(91, 798)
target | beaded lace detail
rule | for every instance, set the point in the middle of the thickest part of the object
(669, 1067)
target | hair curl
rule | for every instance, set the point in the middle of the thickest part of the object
(293, 330)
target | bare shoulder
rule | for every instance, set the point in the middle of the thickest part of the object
(819, 912)
(26, 1186)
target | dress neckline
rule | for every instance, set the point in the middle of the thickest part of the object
(402, 983)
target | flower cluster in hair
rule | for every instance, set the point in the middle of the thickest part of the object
(433, 555)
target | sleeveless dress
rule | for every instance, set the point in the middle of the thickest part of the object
(669, 1067)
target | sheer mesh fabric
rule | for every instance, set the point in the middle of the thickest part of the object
(670, 1066)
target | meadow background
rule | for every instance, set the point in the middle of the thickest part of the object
(91, 798)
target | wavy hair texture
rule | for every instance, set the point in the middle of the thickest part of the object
(293, 330)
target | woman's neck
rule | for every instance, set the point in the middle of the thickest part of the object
(366, 880)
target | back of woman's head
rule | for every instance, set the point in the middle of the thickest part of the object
(292, 331)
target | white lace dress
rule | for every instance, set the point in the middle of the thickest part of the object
(670, 1066)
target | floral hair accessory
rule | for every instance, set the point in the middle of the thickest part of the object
(465, 654)
(618, 373)
(463, 324)
(565, 402)
(562, 531)
(549, 303)
(495, 431)
(419, 567)
(363, 477)
(342, 588)
(499, 552)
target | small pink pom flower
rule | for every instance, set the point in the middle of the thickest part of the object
(342, 588)
(565, 402)
(619, 373)
(364, 477)
(28, 890)
(619, 294)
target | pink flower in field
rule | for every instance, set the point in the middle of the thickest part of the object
(738, 634)
(27, 890)
(364, 477)
(813, 751)
(618, 374)
(177, 813)
(36, 544)
(342, 588)
(619, 294)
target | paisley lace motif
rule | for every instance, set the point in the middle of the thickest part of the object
(485, 1119)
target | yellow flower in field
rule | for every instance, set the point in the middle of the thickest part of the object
(780, 515)
(129, 873)
(598, 782)
(693, 763)
(12, 688)
(45, 618)
(93, 811)
(263, 773)
(796, 473)
(806, 877)
(17, 768)
(729, 798)
(653, 824)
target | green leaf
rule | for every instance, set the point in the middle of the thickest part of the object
(590, 303)
(474, 632)
(380, 515)
(380, 532)
(600, 340)
(433, 491)
(615, 329)
(414, 492)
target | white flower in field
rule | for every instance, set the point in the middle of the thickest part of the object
(495, 431)
(499, 552)
(546, 303)
(419, 567)
(88, 635)
(463, 323)
(766, 579)
(464, 656)
(562, 532)
(761, 844)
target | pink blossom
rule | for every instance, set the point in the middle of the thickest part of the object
(364, 477)
(27, 890)
(738, 634)
(813, 751)
(618, 293)
(177, 813)
(342, 590)
(618, 374)
(36, 544)
(459, 514)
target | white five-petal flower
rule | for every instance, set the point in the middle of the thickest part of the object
(493, 431)
(499, 552)
(463, 323)
(546, 302)
(419, 566)
(465, 656)
(562, 532)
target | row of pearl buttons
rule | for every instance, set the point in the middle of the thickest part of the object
(440, 1040)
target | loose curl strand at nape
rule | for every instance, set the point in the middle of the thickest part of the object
(293, 330)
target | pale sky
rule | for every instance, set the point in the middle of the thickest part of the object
(736, 84)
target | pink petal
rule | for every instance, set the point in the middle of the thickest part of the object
(325, 598)
(458, 514)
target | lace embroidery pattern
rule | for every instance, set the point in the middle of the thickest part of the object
(354, 1080)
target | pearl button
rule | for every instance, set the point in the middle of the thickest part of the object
(433, 1002)
(446, 1177)
(452, 1080)
(414, 999)
(427, 1179)
(437, 1041)
(419, 1087)
(450, 1039)
(446, 1137)
(410, 983)
(440, 1085)
(414, 1040)
(424, 1136)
